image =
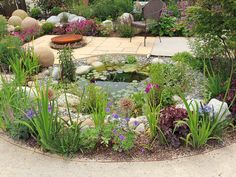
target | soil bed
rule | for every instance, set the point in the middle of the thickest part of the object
(141, 152)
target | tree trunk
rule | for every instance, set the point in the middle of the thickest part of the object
(10, 6)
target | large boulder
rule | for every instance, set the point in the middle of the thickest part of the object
(20, 13)
(126, 18)
(76, 18)
(219, 108)
(54, 19)
(15, 21)
(45, 54)
(62, 14)
(29, 23)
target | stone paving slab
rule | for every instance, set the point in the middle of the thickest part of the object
(103, 45)
(17, 161)
(170, 46)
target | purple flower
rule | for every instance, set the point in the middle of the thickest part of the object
(151, 86)
(108, 110)
(114, 131)
(127, 119)
(30, 114)
(49, 108)
(122, 138)
(116, 116)
(142, 150)
(136, 123)
(109, 104)
(205, 109)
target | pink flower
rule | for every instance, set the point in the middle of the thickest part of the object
(151, 86)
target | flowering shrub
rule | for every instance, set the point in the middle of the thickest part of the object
(168, 118)
(152, 107)
(28, 34)
(85, 27)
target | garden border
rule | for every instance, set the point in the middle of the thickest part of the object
(20, 145)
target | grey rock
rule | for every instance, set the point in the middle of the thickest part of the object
(85, 69)
(219, 108)
(54, 19)
(140, 128)
(97, 64)
(56, 73)
(73, 100)
(77, 18)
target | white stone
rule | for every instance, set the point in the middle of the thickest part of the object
(126, 18)
(132, 123)
(29, 91)
(193, 104)
(83, 69)
(77, 18)
(108, 24)
(10, 28)
(177, 99)
(97, 64)
(73, 100)
(158, 60)
(140, 128)
(142, 119)
(220, 108)
(56, 73)
(54, 19)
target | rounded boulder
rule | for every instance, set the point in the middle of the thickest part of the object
(28, 23)
(15, 21)
(45, 55)
(20, 13)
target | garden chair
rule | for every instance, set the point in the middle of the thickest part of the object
(152, 10)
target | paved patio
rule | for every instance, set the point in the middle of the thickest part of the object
(18, 161)
(168, 46)
(104, 45)
(115, 45)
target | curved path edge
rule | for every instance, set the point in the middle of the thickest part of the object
(19, 161)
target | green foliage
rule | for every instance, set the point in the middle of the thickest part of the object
(215, 19)
(125, 30)
(12, 101)
(24, 65)
(80, 9)
(52, 133)
(215, 81)
(64, 18)
(3, 26)
(35, 13)
(48, 28)
(113, 8)
(55, 10)
(165, 27)
(189, 59)
(202, 127)
(131, 59)
(89, 138)
(170, 78)
(126, 144)
(98, 108)
(10, 47)
(48, 5)
(67, 65)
